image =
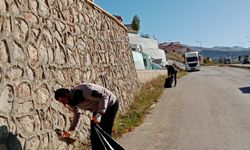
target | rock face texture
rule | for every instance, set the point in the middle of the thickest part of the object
(48, 44)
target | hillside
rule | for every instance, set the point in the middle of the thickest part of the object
(175, 56)
(221, 48)
(217, 54)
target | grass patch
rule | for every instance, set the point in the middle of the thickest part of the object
(209, 64)
(148, 94)
(175, 56)
(222, 65)
(181, 74)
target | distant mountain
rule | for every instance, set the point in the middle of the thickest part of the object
(221, 48)
(223, 54)
(218, 52)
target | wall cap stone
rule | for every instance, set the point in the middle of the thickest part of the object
(107, 13)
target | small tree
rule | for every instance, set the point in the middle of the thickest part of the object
(136, 23)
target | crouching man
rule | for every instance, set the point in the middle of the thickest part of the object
(87, 96)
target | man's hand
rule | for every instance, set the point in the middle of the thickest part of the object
(97, 118)
(90, 115)
(66, 134)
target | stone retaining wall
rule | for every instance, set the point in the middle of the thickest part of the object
(147, 75)
(48, 44)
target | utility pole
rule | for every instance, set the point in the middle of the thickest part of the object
(248, 37)
(199, 43)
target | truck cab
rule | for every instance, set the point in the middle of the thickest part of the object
(192, 62)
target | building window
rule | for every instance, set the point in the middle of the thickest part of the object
(145, 62)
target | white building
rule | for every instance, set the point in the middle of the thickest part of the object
(147, 45)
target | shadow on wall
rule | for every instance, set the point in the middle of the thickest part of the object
(245, 90)
(8, 140)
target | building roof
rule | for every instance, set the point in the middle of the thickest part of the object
(174, 47)
(169, 43)
(118, 17)
(130, 29)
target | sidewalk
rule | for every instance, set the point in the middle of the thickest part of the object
(165, 125)
(148, 136)
(247, 66)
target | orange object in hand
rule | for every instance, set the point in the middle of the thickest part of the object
(66, 134)
(95, 119)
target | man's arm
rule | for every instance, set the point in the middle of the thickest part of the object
(96, 94)
(103, 104)
(176, 68)
(76, 117)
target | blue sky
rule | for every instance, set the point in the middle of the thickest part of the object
(211, 22)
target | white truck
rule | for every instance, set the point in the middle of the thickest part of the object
(192, 62)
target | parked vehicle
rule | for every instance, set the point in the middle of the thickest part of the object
(244, 59)
(227, 60)
(192, 61)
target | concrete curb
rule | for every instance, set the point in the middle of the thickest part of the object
(246, 66)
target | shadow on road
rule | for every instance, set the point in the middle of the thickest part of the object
(245, 90)
(8, 140)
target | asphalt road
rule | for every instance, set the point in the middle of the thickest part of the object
(208, 110)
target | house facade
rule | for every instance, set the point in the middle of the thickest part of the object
(138, 60)
(153, 57)
(176, 47)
